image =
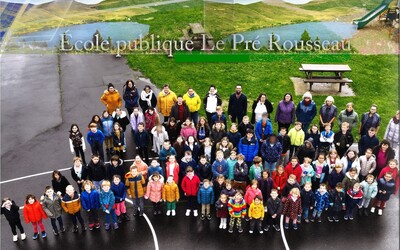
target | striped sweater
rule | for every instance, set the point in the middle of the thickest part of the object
(237, 209)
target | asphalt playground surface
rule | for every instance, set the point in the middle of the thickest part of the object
(42, 95)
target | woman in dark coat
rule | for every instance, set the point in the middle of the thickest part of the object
(130, 96)
(261, 105)
(147, 98)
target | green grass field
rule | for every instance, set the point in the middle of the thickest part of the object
(375, 78)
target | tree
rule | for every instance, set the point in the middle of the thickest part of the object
(97, 39)
(305, 37)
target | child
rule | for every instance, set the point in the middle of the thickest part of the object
(237, 211)
(107, 130)
(392, 168)
(271, 151)
(290, 184)
(244, 125)
(159, 136)
(279, 178)
(336, 176)
(71, 203)
(34, 213)
(320, 167)
(256, 168)
(354, 197)
(350, 178)
(308, 171)
(386, 187)
(59, 182)
(367, 164)
(207, 150)
(265, 184)
(225, 146)
(178, 150)
(292, 208)
(321, 202)
(218, 116)
(203, 129)
(251, 192)
(240, 174)
(314, 134)
(154, 192)
(274, 211)
(228, 190)
(234, 135)
(95, 139)
(248, 146)
(284, 140)
(10, 211)
(134, 183)
(221, 206)
(204, 169)
(119, 190)
(51, 203)
(118, 137)
(350, 160)
(142, 140)
(367, 141)
(307, 200)
(336, 202)
(170, 194)
(220, 166)
(256, 214)
(172, 168)
(190, 187)
(326, 138)
(293, 167)
(77, 143)
(78, 172)
(166, 151)
(219, 185)
(107, 201)
(296, 135)
(369, 188)
(205, 197)
(217, 132)
(231, 164)
(343, 139)
(187, 161)
(173, 129)
(155, 167)
(97, 172)
(91, 203)
(115, 168)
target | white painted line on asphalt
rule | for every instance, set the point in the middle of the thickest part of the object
(32, 175)
(283, 234)
(150, 225)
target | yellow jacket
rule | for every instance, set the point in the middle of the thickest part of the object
(134, 185)
(170, 192)
(256, 211)
(193, 103)
(111, 100)
(296, 137)
(165, 102)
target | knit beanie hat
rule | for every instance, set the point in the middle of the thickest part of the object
(110, 85)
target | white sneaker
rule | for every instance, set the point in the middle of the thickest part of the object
(173, 213)
(187, 212)
(250, 232)
(224, 226)
(195, 214)
(168, 212)
(15, 237)
(372, 209)
(380, 211)
(23, 236)
(221, 225)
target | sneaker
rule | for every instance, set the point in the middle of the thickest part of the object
(261, 231)
(83, 228)
(372, 209)
(286, 226)
(168, 212)
(346, 217)
(221, 225)
(208, 217)
(173, 213)
(307, 220)
(202, 217)
(75, 229)
(107, 226)
(380, 211)
(119, 219)
(35, 236)
(250, 232)
(44, 235)
(187, 212)
(312, 219)
(277, 228)
(15, 237)
(62, 230)
(266, 228)
(159, 212)
(155, 213)
(97, 225)
(295, 226)
(240, 230)
(56, 233)
(195, 214)
(351, 217)
(116, 226)
(91, 226)
(230, 230)
(336, 219)
(319, 219)
(224, 226)
(330, 219)
(23, 236)
(140, 214)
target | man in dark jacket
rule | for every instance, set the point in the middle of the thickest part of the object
(180, 111)
(367, 141)
(237, 107)
(369, 120)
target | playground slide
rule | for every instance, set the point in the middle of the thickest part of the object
(371, 15)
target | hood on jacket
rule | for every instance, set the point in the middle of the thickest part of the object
(348, 175)
(160, 180)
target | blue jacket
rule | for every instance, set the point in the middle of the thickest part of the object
(367, 142)
(151, 170)
(205, 196)
(306, 114)
(248, 148)
(119, 191)
(107, 200)
(321, 201)
(260, 134)
(216, 168)
(222, 119)
(90, 201)
(131, 97)
(95, 137)
(334, 178)
(388, 186)
(234, 138)
(107, 125)
(271, 153)
(307, 198)
(164, 153)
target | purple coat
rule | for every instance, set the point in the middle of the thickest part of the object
(285, 112)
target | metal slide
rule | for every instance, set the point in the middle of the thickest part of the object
(371, 15)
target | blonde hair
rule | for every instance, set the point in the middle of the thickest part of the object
(295, 191)
(105, 183)
(88, 182)
(306, 160)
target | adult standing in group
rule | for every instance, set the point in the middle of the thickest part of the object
(327, 113)
(147, 98)
(165, 100)
(392, 133)
(369, 120)
(180, 111)
(131, 96)
(260, 106)
(348, 115)
(211, 101)
(285, 112)
(111, 98)
(237, 107)
(193, 101)
(306, 110)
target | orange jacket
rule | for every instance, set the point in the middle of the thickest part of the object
(111, 100)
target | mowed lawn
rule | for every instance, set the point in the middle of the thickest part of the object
(375, 78)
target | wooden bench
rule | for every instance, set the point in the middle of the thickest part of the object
(341, 82)
(337, 77)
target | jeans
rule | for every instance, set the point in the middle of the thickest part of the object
(365, 202)
(306, 210)
(254, 223)
(97, 149)
(111, 215)
(195, 117)
(76, 216)
(93, 215)
(270, 166)
(138, 202)
(79, 153)
(53, 223)
(316, 213)
(14, 225)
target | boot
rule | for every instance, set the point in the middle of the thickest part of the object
(15, 237)
(125, 217)
(119, 219)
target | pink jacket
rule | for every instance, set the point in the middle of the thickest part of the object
(186, 131)
(251, 194)
(154, 190)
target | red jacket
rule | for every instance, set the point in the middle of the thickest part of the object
(395, 176)
(175, 171)
(190, 187)
(251, 194)
(34, 212)
(296, 171)
(279, 180)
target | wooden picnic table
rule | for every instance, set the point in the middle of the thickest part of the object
(337, 77)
